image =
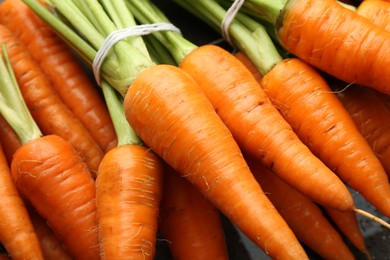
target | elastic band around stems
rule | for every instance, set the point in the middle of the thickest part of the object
(120, 34)
(229, 17)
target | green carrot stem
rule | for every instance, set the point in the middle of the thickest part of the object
(12, 105)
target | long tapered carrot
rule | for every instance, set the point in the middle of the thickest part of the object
(50, 113)
(303, 216)
(52, 247)
(173, 117)
(8, 139)
(65, 73)
(348, 225)
(248, 113)
(329, 130)
(189, 223)
(372, 118)
(17, 233)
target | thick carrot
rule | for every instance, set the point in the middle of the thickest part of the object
(173, 117)
(52, 176)
(347, 223)
(259, 128)
(129, 185)
(321, 121)
(52, 247)
(65, 73)
(189, 223)
(17, 233)
(348, 46)
(372, 118)
(50, 113)
(8, 139)
(304, 217)
(377, 11)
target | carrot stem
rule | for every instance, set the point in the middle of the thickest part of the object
(12, 105)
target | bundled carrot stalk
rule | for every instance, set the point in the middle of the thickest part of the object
(51, 175)
(65, 73)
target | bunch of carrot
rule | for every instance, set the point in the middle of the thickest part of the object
(175, 134)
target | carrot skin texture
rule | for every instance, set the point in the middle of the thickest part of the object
(259, 128)
(64, 72)
(8, 139)
(347, 45)
(303, 216)
(17, 233)
(189, 222)
(128, 194)
(52, 176)
(52, 247)
(347, 223)
(249, 65)
(377, 11)
(372, 118)
(47, 109)
(183, 129)
(317, 116)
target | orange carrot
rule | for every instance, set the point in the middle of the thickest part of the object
(348, 46)
(173, 117)
(346, 222)
(321, 121)
(66, 75)
(17, 233)
(259, 128)
(303, 216)
(50, 113)
(372, 118)
(129, 185)
(377, 11)
(190, 224)
(52, 248)
(9, 139)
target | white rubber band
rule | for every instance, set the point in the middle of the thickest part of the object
(229, 17)
(120, 34)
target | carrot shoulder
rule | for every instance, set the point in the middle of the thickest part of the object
(317, 116)
(17, 233)
(50, 113)
(259, 128)
(338, 41)
(189, 223)
(63, 70)
(173, 117)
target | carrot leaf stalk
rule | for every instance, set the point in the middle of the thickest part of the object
(92, 22)
(12, 105)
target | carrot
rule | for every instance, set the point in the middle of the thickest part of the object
(189, 223)
(50, 174)
(304, 217)
(346, 222)
(331, 38)
(52, 247)
(128, 191)
(50, 113)
(372, 118)
(255, 123)
(249, 65)
(65, 73)
(9, 139)
(173, 117)
(377, 11)
(17, 233)
(320, 120)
